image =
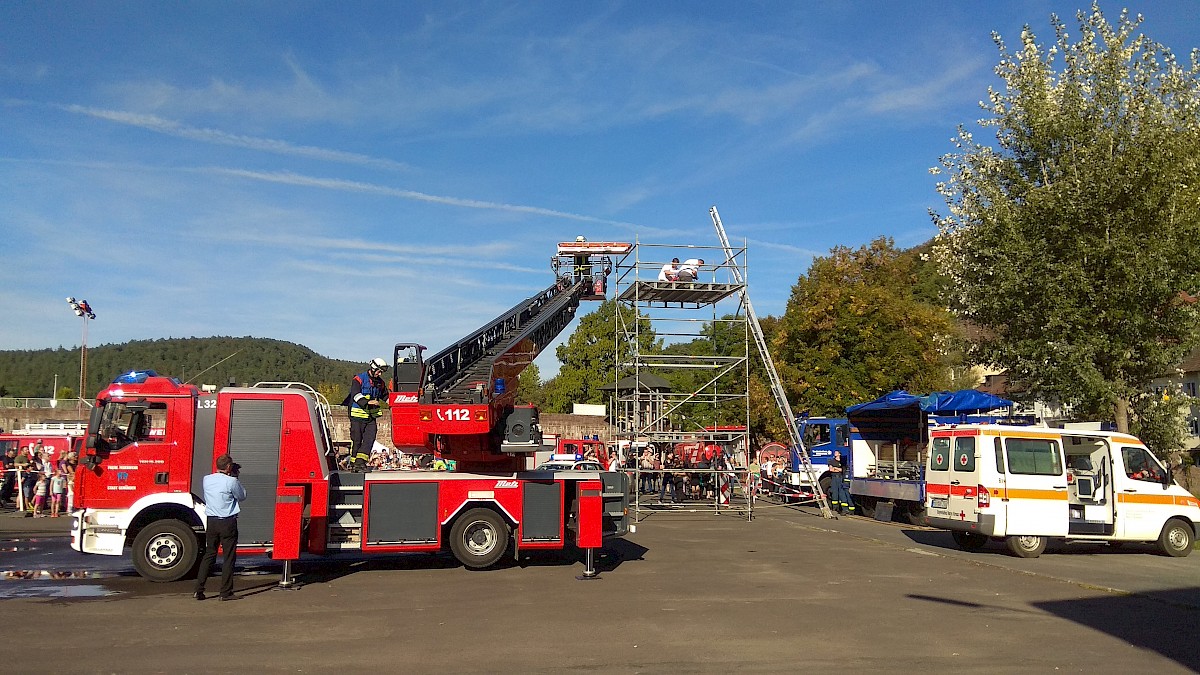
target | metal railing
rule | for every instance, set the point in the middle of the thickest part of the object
(42, 403)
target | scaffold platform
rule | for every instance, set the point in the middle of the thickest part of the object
(677, 294)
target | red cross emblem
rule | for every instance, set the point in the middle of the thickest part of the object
(940, 458)
(962, 459)
(962, 515)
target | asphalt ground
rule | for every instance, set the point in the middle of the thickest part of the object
(686, 593)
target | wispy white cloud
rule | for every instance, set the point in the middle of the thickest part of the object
(215, 136)
(290, 178)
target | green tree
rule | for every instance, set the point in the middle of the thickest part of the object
(590, 356)
(529, 386)
(855, 329)
(1074, 243)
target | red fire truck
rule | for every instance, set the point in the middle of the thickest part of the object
(151, 439)
(57, 438)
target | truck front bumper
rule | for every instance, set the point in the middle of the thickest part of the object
(91, 532)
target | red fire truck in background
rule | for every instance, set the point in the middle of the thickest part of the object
(151, 440)
(58, 438)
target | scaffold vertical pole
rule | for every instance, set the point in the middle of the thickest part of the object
(776, 384)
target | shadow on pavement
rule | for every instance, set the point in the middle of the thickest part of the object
(1161, 626)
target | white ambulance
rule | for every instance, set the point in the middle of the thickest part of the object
(1028, 485)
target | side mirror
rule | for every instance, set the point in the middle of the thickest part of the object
(94, 420)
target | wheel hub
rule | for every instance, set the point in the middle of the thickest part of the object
(1177, 539)
(480, 538)
(163, 551)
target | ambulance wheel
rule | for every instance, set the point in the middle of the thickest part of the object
(165, 550)
(1176, 539)
(479, 538)
(969, 541)
(1027, 546)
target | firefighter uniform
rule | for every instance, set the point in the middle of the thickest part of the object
(366, 402)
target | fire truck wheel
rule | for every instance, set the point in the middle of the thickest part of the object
(1176, 539)
(165, 550)
(479, 538)
(1028, 546)
(969, 541)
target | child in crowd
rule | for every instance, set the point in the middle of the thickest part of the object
(58, 494)
(41, 490)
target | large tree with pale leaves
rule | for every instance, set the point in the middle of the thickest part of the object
(1073, 241)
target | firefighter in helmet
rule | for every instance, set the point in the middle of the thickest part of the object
(366, 402)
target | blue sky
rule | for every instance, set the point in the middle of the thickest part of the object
(351, 175)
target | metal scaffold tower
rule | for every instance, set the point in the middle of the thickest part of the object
(693, 331)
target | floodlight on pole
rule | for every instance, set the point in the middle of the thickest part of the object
(84, 310)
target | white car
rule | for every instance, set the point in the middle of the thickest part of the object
(569, 465)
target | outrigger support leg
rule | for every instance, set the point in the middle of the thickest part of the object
(287, 582)
(589, 567)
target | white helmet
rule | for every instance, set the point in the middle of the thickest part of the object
(379, 363)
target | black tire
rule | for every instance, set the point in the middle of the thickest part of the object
(826, 485)
(866, 506)
(1028, 546)
(165, 550)
(1176, 538)
(969, 541)
(479, 538)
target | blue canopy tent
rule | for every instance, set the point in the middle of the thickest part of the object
(899, 415)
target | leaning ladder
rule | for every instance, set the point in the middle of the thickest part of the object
(780, 395)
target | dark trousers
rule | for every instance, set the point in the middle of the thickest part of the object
(225, 532)
(840, 499)
(362, 439)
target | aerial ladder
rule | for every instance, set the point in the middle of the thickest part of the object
(776, 384)
(460, 404)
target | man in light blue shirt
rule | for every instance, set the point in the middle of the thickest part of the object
(222, 494)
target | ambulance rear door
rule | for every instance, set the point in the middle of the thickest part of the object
(1035, 486)
(964, 477)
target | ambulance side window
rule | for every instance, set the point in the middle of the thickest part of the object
(1034, 457)
(964, 453)
(1141, 465)
(939, 455)
(999, 454)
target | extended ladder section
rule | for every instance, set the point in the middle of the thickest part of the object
(776, 384)
(454, 374)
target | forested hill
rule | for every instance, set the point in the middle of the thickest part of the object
(213, 360)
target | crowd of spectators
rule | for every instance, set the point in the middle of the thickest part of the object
(38, 483)
(687, 475)
(384, 458)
